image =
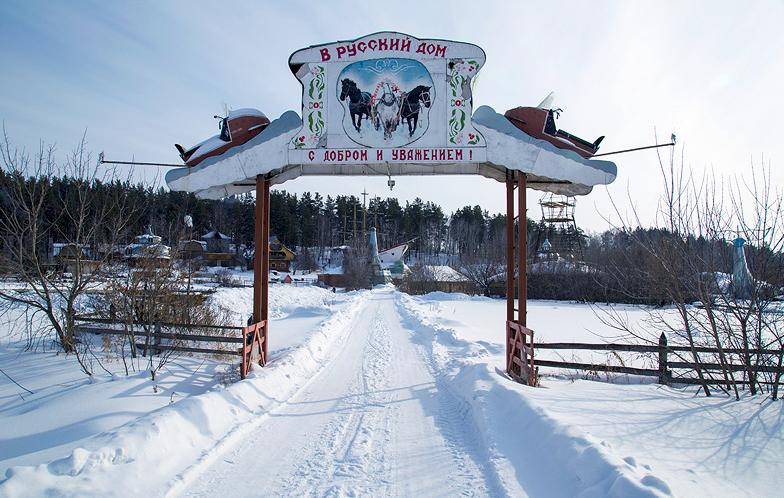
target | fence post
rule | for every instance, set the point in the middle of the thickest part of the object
(157, 334)
(663, 372)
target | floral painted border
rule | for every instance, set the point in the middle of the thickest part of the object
(313, 104)
(459, 112)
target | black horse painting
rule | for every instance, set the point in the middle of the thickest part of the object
(359, 102)
(413, 102)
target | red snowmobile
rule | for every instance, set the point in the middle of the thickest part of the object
(539, 122)
(235, 129)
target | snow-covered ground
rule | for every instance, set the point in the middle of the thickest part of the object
(375, 393)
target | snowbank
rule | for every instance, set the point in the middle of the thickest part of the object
(576, 437)
(140, 457)
(533, 453)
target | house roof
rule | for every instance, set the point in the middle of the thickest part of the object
(439, 273)
(215, 235)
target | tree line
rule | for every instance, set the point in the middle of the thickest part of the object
(724, 293)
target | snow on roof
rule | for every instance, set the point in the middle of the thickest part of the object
(210, 183)
(207, 146)
(550, 169)
(440, 273)
(215, 235)
(246, 111)
(202, 243)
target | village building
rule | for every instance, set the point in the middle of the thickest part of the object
(218, 250)
(192, 249)
(147, 248)
(280, 256)
(434, 278)
(67, 256)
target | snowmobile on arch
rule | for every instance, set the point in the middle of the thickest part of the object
(539, 122)
(237, 128)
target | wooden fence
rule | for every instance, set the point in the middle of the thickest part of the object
(668, 371)
(153, 333)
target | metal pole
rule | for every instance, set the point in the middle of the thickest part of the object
(133, 163)
(634, 150)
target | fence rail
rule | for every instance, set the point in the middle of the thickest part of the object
(252, 340)
(665, 367)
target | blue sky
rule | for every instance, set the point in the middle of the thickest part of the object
(142, 75)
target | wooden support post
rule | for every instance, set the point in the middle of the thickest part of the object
(510, 256)
(664, 373)
(522, 251)
(261, 260)
(519, 339)
(157, 336)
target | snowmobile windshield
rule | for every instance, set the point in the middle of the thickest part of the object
(549, 126)
(224, 135)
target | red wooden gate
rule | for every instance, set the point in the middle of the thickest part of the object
(254, 346)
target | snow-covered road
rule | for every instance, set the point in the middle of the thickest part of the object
(377, 393)
(372, 422)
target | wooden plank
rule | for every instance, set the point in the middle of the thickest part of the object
(602, 368)
(515, 377)
(521, 328)
(644, 348)
(164, 335)
(639, 348)
(693, 380)
(718, 366)
(163, 324)
(520, 363)
(701, 349)
(164, 347)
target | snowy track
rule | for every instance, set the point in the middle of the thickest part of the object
(371, 423)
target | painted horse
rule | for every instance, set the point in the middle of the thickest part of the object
(412, 104)
(359, 102)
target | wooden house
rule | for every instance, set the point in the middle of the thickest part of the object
(280, 256)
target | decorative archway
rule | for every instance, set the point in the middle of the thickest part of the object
(390, 104)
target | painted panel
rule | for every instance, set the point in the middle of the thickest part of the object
(387, 97)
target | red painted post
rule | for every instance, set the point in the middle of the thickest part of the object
(257, 254)
(517, 346)
(510, 260)
(261, 261)
(522, 251)
(265, 236)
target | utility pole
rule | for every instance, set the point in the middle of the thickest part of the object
(364, 213)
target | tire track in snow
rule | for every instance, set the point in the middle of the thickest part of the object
(344, 464)
(372, 422)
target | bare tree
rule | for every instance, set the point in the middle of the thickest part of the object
(358, 271)
(690, 259)
(35, 214)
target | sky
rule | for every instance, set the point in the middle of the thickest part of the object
(139, 76)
